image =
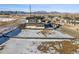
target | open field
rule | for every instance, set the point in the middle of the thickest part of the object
(71, 30)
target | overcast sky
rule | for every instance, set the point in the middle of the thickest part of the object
(41, 7)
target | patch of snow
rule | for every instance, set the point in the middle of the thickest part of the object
(6, 19)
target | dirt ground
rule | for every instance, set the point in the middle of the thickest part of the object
(71, 30)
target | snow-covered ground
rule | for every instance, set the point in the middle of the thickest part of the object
(23, 46)
(6, 19)
(15, 46)
(33, 33)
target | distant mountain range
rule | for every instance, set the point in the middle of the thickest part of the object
(22, 12)
(12, 12)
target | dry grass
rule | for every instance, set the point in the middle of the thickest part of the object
(62, 47)
(46, 32)
(70, 31)
(10, 23)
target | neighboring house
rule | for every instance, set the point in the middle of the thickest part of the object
(37, 19)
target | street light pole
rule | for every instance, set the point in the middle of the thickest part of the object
(30, 9)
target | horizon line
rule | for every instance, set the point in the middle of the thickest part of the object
(38, 11)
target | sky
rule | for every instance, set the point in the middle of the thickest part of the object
(73, 8)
